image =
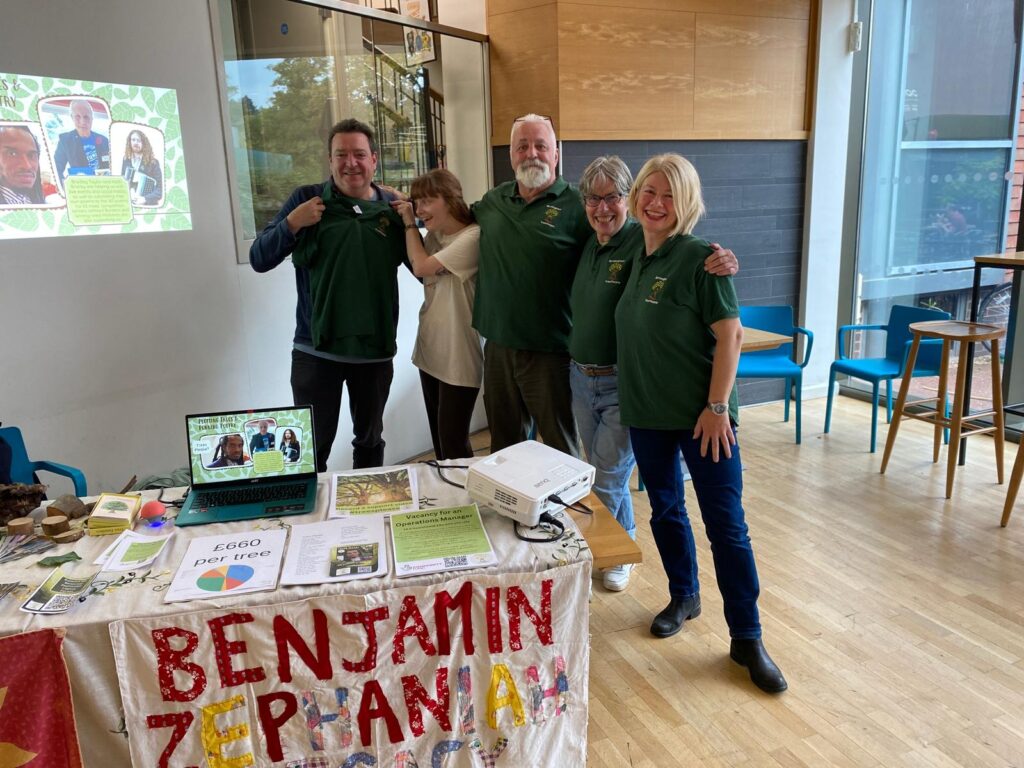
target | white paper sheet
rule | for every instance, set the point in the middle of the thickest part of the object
(227, 565)
(336, 550)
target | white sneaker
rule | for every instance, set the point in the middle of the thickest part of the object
(616, 578)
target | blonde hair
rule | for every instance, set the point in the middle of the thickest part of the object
(687, 200)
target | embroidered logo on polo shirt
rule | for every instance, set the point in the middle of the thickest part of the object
(615, 270)
(382, 226)
(656, 289)
(550, 215)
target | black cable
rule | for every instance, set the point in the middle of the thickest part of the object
(546, 522)
(579, 506)
(438, 466)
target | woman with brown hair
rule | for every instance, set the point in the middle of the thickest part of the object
(447, 351)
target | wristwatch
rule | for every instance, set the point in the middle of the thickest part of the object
(719, 409)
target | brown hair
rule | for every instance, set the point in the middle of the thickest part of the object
(442, 183)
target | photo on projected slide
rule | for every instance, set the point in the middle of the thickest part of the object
(138, 153)
(26, 175)
(110, 158)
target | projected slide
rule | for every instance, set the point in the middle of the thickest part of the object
(86, 158)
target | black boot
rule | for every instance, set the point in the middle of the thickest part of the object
(763, 671)
(671, 619)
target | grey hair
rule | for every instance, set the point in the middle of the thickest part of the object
(610, 168)
(81, 101)
(530, 117)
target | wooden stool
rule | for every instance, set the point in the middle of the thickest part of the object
(1011, 491)
(958, 424)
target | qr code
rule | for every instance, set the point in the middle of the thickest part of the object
(452, 562)
(60, 602)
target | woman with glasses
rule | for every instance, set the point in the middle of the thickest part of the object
(447, 351)
(600, 277)
(679, 339)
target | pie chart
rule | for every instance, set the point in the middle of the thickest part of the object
(224, 578)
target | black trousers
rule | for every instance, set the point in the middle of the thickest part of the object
(318, 382)
(523, 389)
(449, 411)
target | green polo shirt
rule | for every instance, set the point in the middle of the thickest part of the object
(528, 257)
(352, 256)
(600, 279)
(663, 327)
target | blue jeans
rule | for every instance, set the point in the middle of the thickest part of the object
(595, 404)
(719, 489)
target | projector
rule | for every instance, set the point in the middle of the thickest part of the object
(518, 481)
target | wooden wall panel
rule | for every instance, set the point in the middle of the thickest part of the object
(524, 67)
(614, 66)
(652, 69)
(776, 9)
(751, 75)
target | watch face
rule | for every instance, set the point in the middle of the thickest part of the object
(718, 408)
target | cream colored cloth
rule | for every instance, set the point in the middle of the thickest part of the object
(133, 595)
(447, 346)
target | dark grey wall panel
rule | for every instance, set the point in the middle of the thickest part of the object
(754, 193)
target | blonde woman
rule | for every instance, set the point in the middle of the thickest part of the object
(679, 335)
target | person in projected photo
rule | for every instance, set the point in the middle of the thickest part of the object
(230, 452)
(290, 447)
(19, 167)
(141, 170)
(263, 440)
(81, 151)
(447, 352)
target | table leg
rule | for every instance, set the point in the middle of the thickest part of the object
(975, 301)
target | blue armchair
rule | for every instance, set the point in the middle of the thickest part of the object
(776, 363)
(892, 366)
(22, 468)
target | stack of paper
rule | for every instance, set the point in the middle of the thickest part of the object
(113, 513)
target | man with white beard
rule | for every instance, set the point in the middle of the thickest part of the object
(532, 231)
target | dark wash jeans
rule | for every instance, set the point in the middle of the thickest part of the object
(719, 489)
(523, 388)
(318, 382)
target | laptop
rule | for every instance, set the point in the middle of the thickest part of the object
(250, 464)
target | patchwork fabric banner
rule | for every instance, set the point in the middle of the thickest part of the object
(37, 723)
(484, 670)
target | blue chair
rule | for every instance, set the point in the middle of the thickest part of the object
(22, 468)
(878, 369)
(776, 363)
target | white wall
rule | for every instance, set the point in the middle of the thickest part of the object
(106, 342)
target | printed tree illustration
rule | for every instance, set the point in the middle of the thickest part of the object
(116, 506)
(361, 490)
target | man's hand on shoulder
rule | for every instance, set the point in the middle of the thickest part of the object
(305, 215)
(722, 262)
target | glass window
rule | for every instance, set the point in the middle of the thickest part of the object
(291, 71)
(937, 157)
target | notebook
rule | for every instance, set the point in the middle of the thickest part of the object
(250, 464)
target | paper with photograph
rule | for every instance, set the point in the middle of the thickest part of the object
(438, 540)
(373, 492)
(336, 550)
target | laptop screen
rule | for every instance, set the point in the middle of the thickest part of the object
(246, 446)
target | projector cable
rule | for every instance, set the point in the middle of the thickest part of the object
(546, 523)
(439, 467)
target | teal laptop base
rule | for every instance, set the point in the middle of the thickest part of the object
(203, 507)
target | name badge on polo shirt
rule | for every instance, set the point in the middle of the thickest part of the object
(656, 288)
(614, 271)
(358, 210)
(550, 215)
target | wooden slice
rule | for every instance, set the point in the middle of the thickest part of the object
(20, 526)
(69, 536)
(55, 524)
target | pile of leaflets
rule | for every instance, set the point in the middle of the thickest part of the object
(22, 545)
(113, 513)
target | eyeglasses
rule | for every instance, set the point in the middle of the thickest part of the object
(592, 201)
(531, 116)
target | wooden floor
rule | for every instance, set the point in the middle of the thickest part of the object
(896, 615)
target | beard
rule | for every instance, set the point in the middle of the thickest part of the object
(533, 174)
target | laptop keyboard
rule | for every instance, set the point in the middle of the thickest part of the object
(252, 495)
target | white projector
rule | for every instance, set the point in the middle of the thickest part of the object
(520, 480)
